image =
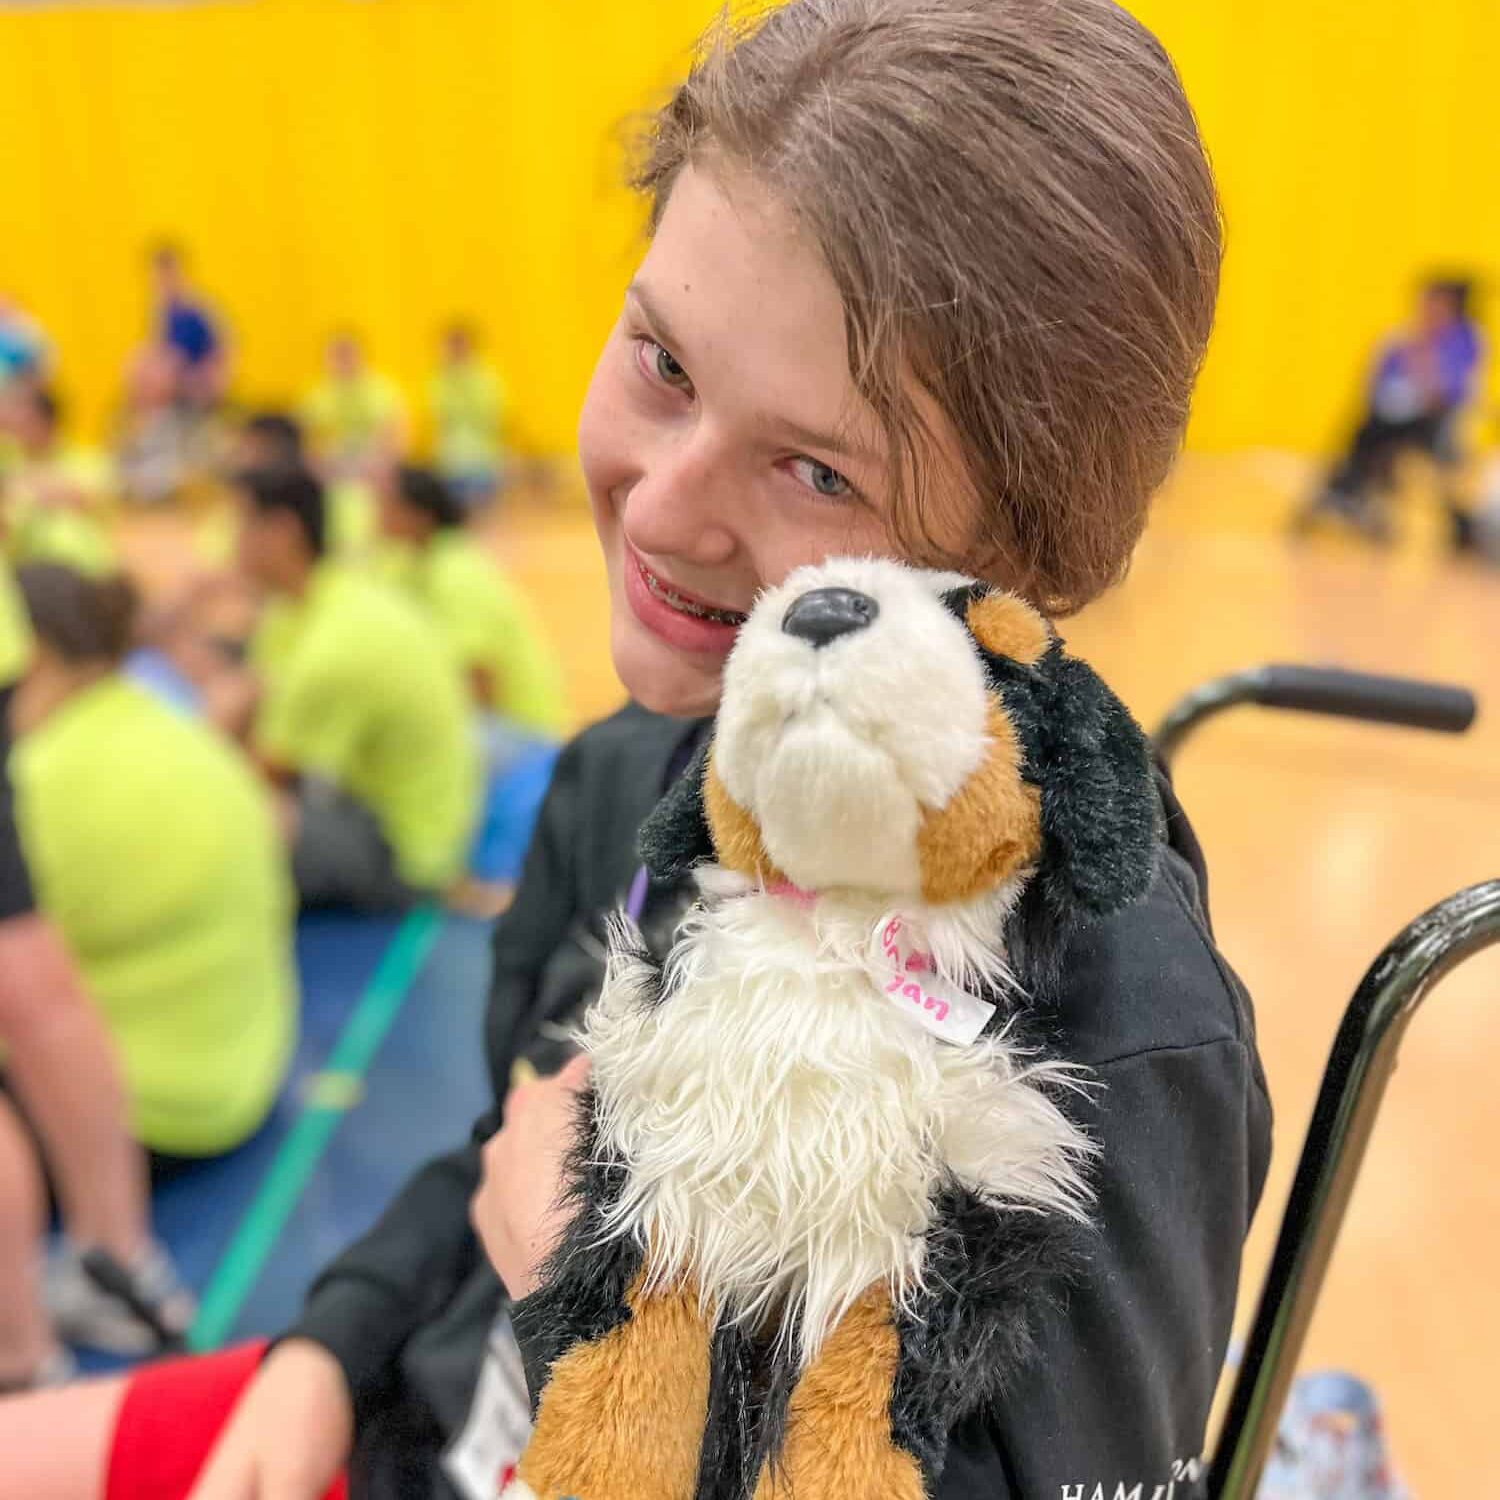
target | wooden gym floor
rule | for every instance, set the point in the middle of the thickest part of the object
(1323, 839)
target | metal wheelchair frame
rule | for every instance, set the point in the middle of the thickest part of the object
(1361, 1061)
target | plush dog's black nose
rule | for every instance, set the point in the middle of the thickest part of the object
(825, 614)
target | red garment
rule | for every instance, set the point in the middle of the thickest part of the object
(170, 1419)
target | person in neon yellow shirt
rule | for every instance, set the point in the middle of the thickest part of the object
(54, 493)
(512, 670)
(354, 416)
(154, 848)
(63, 1117)
(351, 700)
(467, 399)
(273, 439)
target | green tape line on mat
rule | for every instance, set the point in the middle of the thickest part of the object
(280, 1189)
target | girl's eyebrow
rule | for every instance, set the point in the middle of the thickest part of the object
(844, 448)
(654, 317)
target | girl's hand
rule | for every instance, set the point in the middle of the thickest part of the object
(516, 1212)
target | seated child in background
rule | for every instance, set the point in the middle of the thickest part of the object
(512, 670)
(187, 329)
(154, 850)
(354, 415)
(53, 491)
(163, 446)
(468, 415)
(1424, 377)
(25, 350)
(63, 1121)
(275, 440)
(352, 699)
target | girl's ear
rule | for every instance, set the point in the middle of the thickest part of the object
(675, 837)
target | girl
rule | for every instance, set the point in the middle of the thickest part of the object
(928, 278)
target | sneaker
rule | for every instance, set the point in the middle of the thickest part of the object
(1331, 1445)
(98, 1303)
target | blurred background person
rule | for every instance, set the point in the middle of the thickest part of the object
(354, 416)
(188, 330)
(55, 492)
(468, 406)
(512, 670)
(154, 850)
(25, 352)
(64, 1118)
(161, 445)
(1423, 380)
(352, 704)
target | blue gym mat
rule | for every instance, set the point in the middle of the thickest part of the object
(389, 1071)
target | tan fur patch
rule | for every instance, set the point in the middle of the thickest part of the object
(736, 835)
(838, 1440)
(622, 1418)
(990, 829)
(1007, 626)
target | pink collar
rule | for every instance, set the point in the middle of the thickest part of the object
(793, 893)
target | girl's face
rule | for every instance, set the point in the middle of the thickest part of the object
(722, 439)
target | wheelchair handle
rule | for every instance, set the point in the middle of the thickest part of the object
(1321, 690)
(1359, 1067)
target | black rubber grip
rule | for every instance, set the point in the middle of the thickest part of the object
(1361, 695)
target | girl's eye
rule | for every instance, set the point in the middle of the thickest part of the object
(661, 365)
(822, 479)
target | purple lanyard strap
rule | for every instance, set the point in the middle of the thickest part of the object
(635, 901)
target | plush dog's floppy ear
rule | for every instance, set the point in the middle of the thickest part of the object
(1101, 814)
(675, 837)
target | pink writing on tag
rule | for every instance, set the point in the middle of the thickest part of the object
(948, 1012)
(912, 963)
(916, 994)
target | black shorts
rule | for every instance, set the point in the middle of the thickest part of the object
(341, 858)
(16, 898)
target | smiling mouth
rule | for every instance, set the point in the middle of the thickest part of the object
(692, 607)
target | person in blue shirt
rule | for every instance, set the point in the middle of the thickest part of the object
(185, 325)
(1423, 379)
(24, 350)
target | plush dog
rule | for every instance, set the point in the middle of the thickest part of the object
(822, 1183)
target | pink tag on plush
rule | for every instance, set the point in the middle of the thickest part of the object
(908, 981)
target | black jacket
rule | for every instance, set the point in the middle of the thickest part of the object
(1126, 1368)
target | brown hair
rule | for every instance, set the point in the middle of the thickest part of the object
(84, 620)
(1015, 204)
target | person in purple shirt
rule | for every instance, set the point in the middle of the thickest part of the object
(185, 326)
(1422, 379)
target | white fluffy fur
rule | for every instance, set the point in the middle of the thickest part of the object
(836, 752)
(785, 1125)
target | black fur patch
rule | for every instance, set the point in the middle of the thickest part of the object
(970, 1334)
(584, 1281)
(750, 1385)
(586, 1278)
(675, 837)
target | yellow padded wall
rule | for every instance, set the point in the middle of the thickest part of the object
(389, 162)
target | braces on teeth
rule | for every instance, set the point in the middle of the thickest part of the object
(687, 606)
